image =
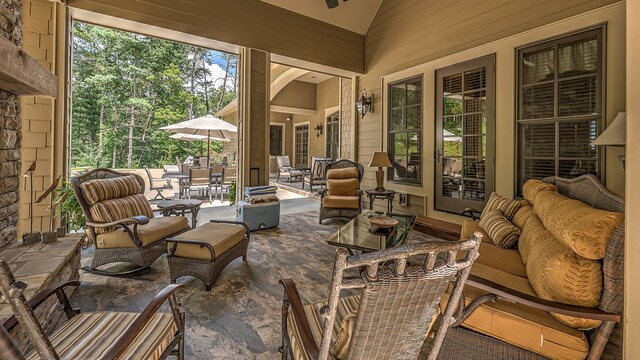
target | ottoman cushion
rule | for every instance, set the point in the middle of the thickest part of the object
(221, 237)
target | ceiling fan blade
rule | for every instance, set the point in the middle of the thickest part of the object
(332, 3)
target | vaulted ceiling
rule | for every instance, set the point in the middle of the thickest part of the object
(353, 15)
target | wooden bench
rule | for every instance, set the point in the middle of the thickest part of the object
(438, 228)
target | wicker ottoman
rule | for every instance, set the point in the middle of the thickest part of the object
(205, 251)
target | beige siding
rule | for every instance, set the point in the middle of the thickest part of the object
(37, 114)
(297, 94)
(408, 38)
(247, 23)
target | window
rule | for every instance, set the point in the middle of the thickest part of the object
(405, 131)
(275, 140)
(560, 101)
(333, 136)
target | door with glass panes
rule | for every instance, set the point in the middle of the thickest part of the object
(301, 146)
(332, 136)
(465, 127)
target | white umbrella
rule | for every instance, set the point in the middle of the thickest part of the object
(187, 137)
(208, 125)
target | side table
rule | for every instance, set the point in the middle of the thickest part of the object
(373, 194)
(193, 208)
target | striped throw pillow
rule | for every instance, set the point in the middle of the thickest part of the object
(98, 190)
(121, 208)
(507, 206)
(503, 233)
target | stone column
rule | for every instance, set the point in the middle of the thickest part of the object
(10, 135)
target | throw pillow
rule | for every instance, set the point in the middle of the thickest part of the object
(507, 206)
(503, 233)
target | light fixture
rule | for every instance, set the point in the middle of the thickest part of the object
(288, 118)
(318, 129)
(615, 134)
(365, 103)
(380, 159)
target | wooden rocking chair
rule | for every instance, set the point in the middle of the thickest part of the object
(92, 335)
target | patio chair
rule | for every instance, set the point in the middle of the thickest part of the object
(200, 180)
(216, 176)
(341, 198)
(203, 161)
(91, 335)
(285, 169)
(316, 176)
(392, 312)
(229, 175)
(120, 221)
(158, 184)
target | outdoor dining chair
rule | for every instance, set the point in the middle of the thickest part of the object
(395, 306)
(200, 180)
(229, 175)
(158, 185)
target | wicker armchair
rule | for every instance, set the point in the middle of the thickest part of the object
(395, 307)
(91, 335)
(120, 220)
(335, 202)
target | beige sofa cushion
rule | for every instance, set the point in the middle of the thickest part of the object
(221, 237)
(507, 206)
(471, 226)
(520, 325)
(344, 173)
(522, 215)
(97, 190)
(157, 229)
(532, 187)
(503, 233)
(343, 187)
(531, 232)
(338, 202)
(582, 228)
(557, 273)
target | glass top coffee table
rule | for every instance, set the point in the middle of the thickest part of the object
(357, 235)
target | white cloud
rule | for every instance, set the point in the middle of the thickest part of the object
(217, 75)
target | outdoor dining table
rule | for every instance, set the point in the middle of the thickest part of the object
(183, 180)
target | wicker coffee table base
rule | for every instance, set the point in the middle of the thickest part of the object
(203, 270)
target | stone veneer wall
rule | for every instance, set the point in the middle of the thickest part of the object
(10, 136)
(346, 108)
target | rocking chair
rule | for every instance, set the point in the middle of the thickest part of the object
(120, 221)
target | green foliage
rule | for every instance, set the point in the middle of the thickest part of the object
(126, 86)
(66, 206)
(232, 193)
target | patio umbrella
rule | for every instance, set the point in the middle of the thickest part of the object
(208, 126)
(188, 137)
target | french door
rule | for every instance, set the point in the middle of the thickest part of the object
(465, 134)
(333, 136)
(301, 145)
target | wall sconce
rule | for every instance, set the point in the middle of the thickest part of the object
(318, 129)
(364, 103)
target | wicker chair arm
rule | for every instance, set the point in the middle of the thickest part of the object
(292, 295)
(538, 303)
(168, 293)
(472, 213)
(140, 220)
(42, 296)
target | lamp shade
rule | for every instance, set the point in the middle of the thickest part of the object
(380, 159)
(615, 134)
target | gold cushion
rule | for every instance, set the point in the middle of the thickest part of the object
(91, 335)
(582, 228)
(520, 325)
(557, 273)
(471, 226)
(120, 208)
(98, 190)
(221, 237)
(531, 232)
(338, 202)
(503, 233)
(522, 215)
(157, 229)
(344, 173)
(347, 306)
(507, 206)
(343, 187)
(532, 187)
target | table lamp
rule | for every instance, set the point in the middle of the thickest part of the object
(615, 134)
(380, 160)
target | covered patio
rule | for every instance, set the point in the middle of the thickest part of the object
(492, 141)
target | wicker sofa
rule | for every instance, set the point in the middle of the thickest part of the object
(557, 294)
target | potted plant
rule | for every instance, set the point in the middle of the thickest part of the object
(68, 208)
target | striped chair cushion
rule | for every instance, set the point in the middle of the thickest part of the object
(509, 207)
(503, 233)
(91, 335)
(98, 190)
(342, 328)
(120, 208)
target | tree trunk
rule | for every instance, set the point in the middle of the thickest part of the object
(235, 77)
(100, 143)
(115, 138)
(193, 83)
(206, 85)
(130, 145)
(224, 82)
